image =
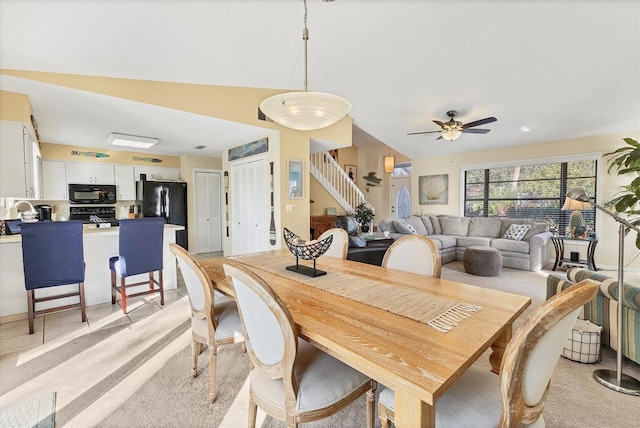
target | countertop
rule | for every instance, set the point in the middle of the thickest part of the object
(8, 239)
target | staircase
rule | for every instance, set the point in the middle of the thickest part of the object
(327, 171)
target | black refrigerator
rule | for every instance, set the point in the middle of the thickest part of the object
(166, 199)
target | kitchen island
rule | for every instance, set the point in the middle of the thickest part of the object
(99, 245)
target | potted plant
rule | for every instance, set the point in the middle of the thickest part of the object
(626, 160)
(364, 216)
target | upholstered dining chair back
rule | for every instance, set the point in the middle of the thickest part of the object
(533, 352)
(140, 245)
(53, 255)
(140, 250)
(517, 398)
(215, 320)
(290, 379)
(415, 254)
(339, 245)
(271, 334)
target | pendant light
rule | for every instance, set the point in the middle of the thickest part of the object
(389, 162)
(306, 110)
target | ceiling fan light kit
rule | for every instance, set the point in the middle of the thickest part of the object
(305, 111)
(453, 129)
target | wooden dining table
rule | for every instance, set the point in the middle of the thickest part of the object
(413, 358)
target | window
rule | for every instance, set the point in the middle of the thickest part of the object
(530, 190)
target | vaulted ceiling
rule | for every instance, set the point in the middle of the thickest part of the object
(547, 70)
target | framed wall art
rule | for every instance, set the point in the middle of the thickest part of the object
(352, 172)
(295, 179)
(433, 189)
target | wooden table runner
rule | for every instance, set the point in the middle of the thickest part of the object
(440, 313)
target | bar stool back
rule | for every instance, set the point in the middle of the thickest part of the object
(53, 255)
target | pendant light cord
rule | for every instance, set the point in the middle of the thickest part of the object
(305, 37)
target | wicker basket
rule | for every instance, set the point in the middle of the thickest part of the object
(583, 343)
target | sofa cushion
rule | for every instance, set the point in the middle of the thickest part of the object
(452, 226)
(516, 231)
(536, 227)
(506, 222)
(445, 241)
(386, 226)
(485, 226)
(435, 221)
(357, 241)
(402, 227)
(426, 220)
(510, 245)
(418, 225)
(474, 241)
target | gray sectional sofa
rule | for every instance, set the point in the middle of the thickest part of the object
(453, 234)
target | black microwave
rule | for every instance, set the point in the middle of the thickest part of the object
(92, 194)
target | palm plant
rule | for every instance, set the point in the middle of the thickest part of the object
(626, 160)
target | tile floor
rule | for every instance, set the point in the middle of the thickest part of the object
(14, 336)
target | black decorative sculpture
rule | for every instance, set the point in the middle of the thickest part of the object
(307, 250)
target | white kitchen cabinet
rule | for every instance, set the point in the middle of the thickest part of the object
(90, 173)
(19, 162)
(125, 182)
(54, 180)
(158, 173)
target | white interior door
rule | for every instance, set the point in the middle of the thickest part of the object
(400, 197)
(249, 207)
(208, 211)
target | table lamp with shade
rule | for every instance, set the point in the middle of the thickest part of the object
(576, 219)
(615, 380)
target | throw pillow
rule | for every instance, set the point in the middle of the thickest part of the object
(452, 226)
(426, 220)
(435, 222)
(517, 231)
(418, 225)
(536, 227)
(402, 227)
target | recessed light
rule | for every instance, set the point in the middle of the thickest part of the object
(136, 141)
(524, 129)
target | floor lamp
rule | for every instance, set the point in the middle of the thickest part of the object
(615, 380)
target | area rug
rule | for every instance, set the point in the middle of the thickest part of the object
(39, 412)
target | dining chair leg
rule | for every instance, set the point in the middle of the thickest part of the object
(113, 287)
(371, 405)
(123, 295)
(195, 351)
(212, 373)
(31, 308)
(253, 413)
(82, 302)
(161, 282)
(150, 281)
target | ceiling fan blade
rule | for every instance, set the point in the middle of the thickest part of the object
(439, 138)
(475, 131)
(479, 122)
(440, 124)
(424, 132)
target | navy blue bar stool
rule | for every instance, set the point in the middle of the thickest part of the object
(53, 255)
(140, 251)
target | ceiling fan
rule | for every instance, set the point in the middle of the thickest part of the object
(452, 129)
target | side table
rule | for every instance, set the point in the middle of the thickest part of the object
(558, 243)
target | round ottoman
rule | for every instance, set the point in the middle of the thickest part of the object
(483, 261)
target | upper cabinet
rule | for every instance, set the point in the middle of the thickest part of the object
(125, 182)
(19, 162)
(90, 173)
(158, 173)
(54, 180)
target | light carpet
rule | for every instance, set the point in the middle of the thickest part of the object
(114, 378)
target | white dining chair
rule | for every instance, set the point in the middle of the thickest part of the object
(415, 254)
(215, 320)
(339, 245)
(290, 379)
(518, 396)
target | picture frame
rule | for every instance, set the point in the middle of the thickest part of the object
(331, 211)
(352, 172)
(433, 189)
(295, 179)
